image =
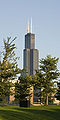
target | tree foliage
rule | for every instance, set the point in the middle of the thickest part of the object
(23, 88)
(47, 76)
(8, 67)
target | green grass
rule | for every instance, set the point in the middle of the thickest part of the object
(51, 112)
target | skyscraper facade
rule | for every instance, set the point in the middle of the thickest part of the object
(30, 54)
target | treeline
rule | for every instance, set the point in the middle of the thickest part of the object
(44, 80)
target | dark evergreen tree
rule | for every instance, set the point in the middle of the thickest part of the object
(37, 82)
(22, 89)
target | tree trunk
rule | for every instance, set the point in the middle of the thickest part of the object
(46, 100)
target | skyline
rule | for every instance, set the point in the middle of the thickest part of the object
(45, 24)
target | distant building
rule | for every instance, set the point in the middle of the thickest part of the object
(30, 54)
(30, 58)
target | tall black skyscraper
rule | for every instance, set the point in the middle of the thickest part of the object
(30, 53)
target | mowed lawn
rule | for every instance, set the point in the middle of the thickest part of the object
(51, 112)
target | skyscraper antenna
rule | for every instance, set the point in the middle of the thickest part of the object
(28, 27)
(31, 24)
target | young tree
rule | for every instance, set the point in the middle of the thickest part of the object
(23, 88)
(48, 70)
(8, 67)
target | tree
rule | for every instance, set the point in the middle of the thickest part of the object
(38, 81)
(8, 68)
(22, 89)
(48, 68)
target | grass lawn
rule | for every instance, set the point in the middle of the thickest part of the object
(51, 112)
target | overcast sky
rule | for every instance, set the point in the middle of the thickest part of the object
(46, 25)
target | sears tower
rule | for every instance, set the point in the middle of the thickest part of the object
(30, 53)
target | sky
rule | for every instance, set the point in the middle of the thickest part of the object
(45, 14)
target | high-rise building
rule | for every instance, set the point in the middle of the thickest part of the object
(30, 53)
(30, 58)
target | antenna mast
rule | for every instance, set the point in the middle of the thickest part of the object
(31, 24)
(28, 27)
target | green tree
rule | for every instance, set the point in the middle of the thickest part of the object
(23, 88)
(48, 67)
(47, 76)
(8, 68)
(37, 82)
